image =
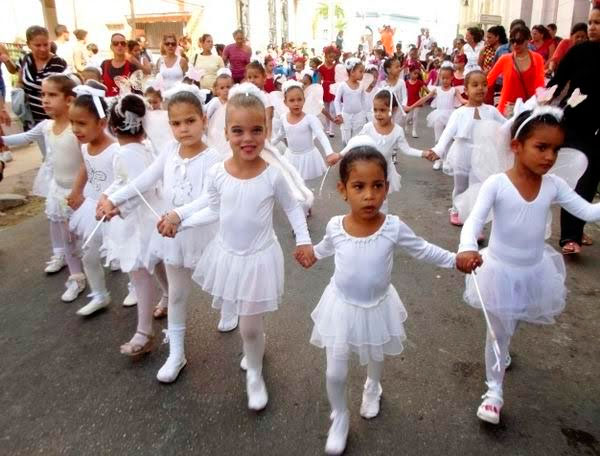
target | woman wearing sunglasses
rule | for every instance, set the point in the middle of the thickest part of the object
(118, 65)
(522, 71)
(170, 66)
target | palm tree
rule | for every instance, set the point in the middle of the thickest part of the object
(322, 13)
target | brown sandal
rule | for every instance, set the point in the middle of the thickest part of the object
(570, 248)
(586, 240)
(160, 312)
(130, 349)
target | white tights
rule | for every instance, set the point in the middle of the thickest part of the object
(180, 286)
(438, 129)
(146, 291)
(461, 183)
(503, 334)
(328, 123)
(253, 339)
(92, 265)
(337, 372)
(63, 243)
(413, 117)
(161, 277)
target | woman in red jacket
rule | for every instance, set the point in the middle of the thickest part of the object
(523, 71)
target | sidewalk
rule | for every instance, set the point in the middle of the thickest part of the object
(21, 171)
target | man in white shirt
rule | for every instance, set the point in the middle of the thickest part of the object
(64, 48)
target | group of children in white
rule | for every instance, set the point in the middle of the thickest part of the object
(195, 204)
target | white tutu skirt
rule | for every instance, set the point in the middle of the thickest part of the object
(245, 284)
(438, 116)
(534, 293)
(41, 183)
(459, 157)
(83, 221)
(57, 209)
(127, 240)
(370, 332)
(310, 163)
(182, 251)
(394, 179)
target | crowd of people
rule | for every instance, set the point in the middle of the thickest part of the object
(169, 171)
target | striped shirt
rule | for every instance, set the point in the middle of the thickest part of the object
(32, 81)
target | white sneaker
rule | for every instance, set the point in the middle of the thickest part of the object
(370, 399)
(75, 285)
(437, 165)
(228, 322)
(97, 303)
(256, 390)
(507, 361)
(130, 299)
(171, 369)
(6, 156)
(489, 410)
(55, 264)
(115, 265)
(414, 133)
(338, 433)
(330, 134)
(244, 364)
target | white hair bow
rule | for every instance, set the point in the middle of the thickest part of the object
(182, 87)
(358, 141)
(351, 63)
(290, 84)
(248, 89)
(96, 94)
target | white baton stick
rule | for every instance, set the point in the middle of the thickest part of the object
(495, 345)
(87, 241)
(323, 181)
(144, 200)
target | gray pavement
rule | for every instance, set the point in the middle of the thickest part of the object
(65, 389)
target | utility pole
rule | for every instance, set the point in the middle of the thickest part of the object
(132, 22)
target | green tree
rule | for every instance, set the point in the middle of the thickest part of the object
(322, 14)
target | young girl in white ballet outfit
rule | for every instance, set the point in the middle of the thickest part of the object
(183, 169)
(360, 311)
(300, 130)
(215, 111)
(56, 177)
(394, 81)
(445, 101)
(387, 137)
(349, 102)
(522, 278)
(127, 241)
(243, 266)
(89, 120)
(371, 90)
(460, 133)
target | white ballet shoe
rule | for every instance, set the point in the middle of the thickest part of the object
(256, 390)
(369, 408)
(437, 165)
(489, 410)
(228, 322)
(169, 372)
(130, 299)
(97, 303)
(115, 265)
(338, 433)
(244, 364)
(55, 264)
(75, 286)
(507, 361)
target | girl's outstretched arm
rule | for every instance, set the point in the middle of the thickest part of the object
(569, 200)
(419, 248)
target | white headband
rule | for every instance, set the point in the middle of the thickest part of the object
(248, 89)
(358, 141)
(182, 87)
(351, 63)
(307, 72)
(540, 111)
(290, 84)
(96, 94)
(225, 71)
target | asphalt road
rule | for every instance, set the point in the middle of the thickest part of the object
(65, 389)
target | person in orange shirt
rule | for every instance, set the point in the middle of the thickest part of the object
(522, 70)
(578, 35)
(387, 39)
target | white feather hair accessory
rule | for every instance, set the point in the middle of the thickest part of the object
(352, 62)
(370, 67)
(540, 111)
(290, 84)
(248, 89)
(358, 141)
(132, 122)
(182, 87)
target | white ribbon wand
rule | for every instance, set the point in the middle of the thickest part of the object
(495, 345)
(87, 241)
(323, 181)
(145, 201)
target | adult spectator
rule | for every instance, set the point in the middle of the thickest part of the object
(552, 29)
(237, 56)
(387, 39)
(208, 62)
(94, 58)
(118, 65)
(522, 70)
(473, 47)
(578, 35)
(507, 48)
(144, 47)
(136, 57)
(425, 42)
(494, 38)
(542, 42)
(339, 40)
(4, 116)
(33, 67)
(64, 49)
(80, 54)
(170, 66)
(580, 68)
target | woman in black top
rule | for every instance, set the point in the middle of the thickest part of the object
(580, 68)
